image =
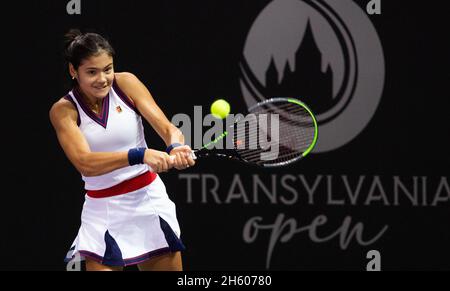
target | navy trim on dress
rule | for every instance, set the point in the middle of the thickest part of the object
(103, 118)
(124, 97)
(175, 244)
(113, 255)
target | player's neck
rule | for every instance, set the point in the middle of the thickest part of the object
(94, 103)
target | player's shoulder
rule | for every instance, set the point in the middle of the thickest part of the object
(129, 84)
(126, 79)
(63, 104)
(61, 108)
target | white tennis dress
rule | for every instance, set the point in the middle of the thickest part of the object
(127, 216)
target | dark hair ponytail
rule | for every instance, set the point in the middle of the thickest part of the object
(79, 46)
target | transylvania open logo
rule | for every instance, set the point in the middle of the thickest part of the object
(324, 52)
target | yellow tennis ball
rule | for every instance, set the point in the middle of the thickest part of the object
(220, 109)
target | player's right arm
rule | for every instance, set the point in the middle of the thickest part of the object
(63, 117)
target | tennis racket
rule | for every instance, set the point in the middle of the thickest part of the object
(284, 124)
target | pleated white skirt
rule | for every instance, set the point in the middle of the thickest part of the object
(127, 229)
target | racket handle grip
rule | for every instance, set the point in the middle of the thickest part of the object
(172, 159)
(194, 157)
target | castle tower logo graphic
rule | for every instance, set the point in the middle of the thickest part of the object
(324, 52)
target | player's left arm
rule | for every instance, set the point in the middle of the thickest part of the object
(146, 105)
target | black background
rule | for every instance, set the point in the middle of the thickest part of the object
(187, 53)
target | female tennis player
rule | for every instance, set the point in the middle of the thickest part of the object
(127, 218)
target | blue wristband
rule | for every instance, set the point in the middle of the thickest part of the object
(136, 156)
(172, 146)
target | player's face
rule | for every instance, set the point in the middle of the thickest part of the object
(96, 75)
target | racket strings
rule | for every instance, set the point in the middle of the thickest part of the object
(283, 123)
(295, 134)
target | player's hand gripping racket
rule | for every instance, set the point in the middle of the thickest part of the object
(291, 132)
